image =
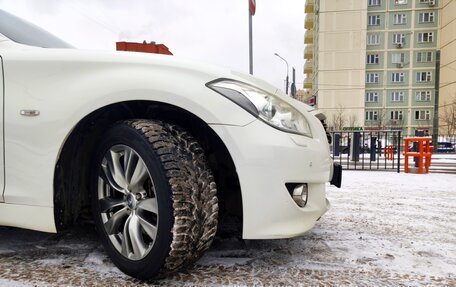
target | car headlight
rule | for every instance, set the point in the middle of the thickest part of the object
(263, 105)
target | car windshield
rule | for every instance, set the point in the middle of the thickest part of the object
(23, 32)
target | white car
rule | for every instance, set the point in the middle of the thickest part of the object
(158, 150)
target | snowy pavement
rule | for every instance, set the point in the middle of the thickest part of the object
(383, 229)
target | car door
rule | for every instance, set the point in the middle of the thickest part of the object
(2, 165)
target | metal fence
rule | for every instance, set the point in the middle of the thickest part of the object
(446, 144)
(451, 139)
(367, 150)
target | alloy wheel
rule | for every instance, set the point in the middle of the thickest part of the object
(127, 201)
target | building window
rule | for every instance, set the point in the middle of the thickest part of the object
(423, 96)
(398, 38)
(373, 39)
(427, 1)
(398, 58)
(426, 17)
(399, 19)
(400, 2)
(396, 115)
(372, 78)
(422, 115)
(426, 37)
(374, 2)
(397, 77)
(371, 116)
(374, 20)
(372, 59)
(397, 96)
(423, 77)
(372, 97)
(424, 57)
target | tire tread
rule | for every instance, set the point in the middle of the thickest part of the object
(194, 192)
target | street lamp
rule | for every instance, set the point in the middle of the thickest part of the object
(286, 80)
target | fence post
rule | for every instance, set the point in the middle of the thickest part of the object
(355, 146)
(336, 146)
(373, 147)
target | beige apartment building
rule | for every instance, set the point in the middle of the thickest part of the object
(371, 63)
(447, 100)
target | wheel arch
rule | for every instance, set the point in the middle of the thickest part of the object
(72, 170)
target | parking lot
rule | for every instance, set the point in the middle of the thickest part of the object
(383, 228)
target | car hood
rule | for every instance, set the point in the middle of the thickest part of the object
(207, 72)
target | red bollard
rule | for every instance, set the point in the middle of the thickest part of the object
(424, 153)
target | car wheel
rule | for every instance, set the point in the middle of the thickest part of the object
(154, 198)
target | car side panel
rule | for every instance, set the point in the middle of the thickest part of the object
(2, 163)
(27, 216)
(64, 89)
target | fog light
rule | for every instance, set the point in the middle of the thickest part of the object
(300, 194)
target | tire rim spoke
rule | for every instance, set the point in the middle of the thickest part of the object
(130, 161)
(135, 236)
(106, 176)
(107, 204)
(114, 222)
(115, 170)
(139, 175)
(149, 204)
(150, 229)
(126, 250)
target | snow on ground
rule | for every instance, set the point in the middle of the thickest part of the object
(445, 156)
(383, 229)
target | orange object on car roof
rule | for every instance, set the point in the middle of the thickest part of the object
(145, 47)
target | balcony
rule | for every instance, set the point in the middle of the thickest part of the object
(308, 52)
(308, 67)
(308, 83)
(310, 6)
(308, 37)
(309, 22)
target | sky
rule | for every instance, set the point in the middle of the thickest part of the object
(211, 31)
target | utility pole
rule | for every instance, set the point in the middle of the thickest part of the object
(252, 9)
(286, 79)
(435, 124)
(293, 84)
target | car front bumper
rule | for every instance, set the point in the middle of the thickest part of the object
(266, 159)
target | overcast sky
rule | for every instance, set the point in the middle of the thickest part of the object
(213, 31)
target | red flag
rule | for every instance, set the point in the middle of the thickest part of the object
(252, 6)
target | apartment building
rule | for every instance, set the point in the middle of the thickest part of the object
(447, 99)
(371, 63)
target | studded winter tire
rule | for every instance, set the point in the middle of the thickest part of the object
(154, 198)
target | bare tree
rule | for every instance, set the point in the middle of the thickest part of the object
(303, 95)
(381, 121)
(353, 120)
(397, 124)
(338, 119)
(448, 118)
(424, 125)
